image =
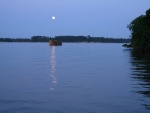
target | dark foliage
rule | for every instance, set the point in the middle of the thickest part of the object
(140, 31)
(90, 39)
(40, 39)
(15, 40)
(68, 39)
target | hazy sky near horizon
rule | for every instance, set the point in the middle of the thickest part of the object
(107, 18)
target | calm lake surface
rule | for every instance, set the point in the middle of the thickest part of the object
(73, 78)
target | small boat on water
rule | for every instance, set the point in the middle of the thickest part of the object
(55, 43)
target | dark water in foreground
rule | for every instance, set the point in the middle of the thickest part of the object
(73, 78)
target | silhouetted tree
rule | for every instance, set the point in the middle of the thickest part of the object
(140, 31)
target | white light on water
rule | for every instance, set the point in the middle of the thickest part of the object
(53, 69)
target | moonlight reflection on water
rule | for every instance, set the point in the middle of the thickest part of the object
(93, 78)
(53, 69)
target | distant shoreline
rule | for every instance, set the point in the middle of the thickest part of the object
(68, 39)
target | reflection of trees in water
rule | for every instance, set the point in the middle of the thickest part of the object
(141, 72)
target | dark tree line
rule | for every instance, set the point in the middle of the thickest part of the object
(15, 40)
(90, 39)
(140, 31)
(40, 39)
(33, 39)
(67, 39)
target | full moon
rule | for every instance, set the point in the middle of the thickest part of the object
(53, 17)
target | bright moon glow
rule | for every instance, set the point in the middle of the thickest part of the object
(53, 17)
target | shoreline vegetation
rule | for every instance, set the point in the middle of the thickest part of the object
(87, 39)
(140, 33)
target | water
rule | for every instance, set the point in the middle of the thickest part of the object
(73, 78)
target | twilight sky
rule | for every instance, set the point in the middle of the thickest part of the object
(107, 18)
